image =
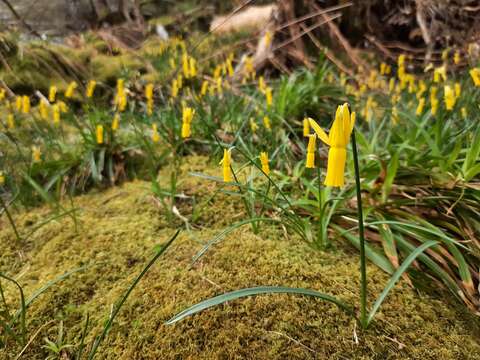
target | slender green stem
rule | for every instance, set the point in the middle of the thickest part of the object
(320, 238)
(361, 232)
(10, 219)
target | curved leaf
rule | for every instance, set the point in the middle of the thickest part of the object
(261, 290)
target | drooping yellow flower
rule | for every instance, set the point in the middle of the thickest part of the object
(421, 105)
(149, 97)
(226, 165)
(155, 134)
(464, 112)
(187, 117)
(116, 122)
(391, 84)
(261, 85)
(422, 87)
(267, 123)
(52, 93)
(174, 89)
(456, 58)
(70, 89)
(10, 121)
(458, 90)
(2, 178)
(249, 68)
(185, 66)
(43, 109)
(63, 107)
(193, 67)
(306, 127)
(265, 163)
(36, 154)
(475, 74)
(268, 97)
(25, 104)
(121, 96)
(337, 139)
(2, 94)
(204, 88)
(312, 139)
(230, 70)
(440, 73)
(91, 88)
(449, 97)
(99, 134)
(56, 114)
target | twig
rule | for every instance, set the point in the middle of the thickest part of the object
(20, 19)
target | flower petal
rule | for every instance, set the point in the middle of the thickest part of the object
(319, 131)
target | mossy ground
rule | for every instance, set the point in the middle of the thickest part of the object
(118, 231)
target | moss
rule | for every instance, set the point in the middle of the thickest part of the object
(118, 231)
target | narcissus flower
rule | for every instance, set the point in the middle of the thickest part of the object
(91, 88)
(18, 103)
(43, 109)
(261, 85)
(121, 96)
(268, 96)
(267, 123)
(306, 127)
(456, 58)
(475, 74)
(265, 163)
(56, 114)
(155, 134)
(99, 134)
(204, 88)
(2, 94)
(449, 97)
(25, 104)
(116, 122)
(337, 139)
(226, 165)
(464, 112)
(440, 73)
(70, 89)
(52, 93)
(312, 139)
(187, 117)
(253, 125)
(2, 178)
(421, 105)
(149, 97)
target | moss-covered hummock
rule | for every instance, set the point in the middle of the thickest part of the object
(118, 231)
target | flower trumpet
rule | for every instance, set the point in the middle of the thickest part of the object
(337, 139)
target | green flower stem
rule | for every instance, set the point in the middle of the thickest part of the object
(361, 233)
(320, 237)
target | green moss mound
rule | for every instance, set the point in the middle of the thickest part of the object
(118, 231)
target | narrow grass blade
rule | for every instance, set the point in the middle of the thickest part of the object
(396, 276)
(261, 290)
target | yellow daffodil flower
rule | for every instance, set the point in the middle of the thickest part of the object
(475, 74)
(99, 134)
(43, 109)
(52, 93)
(155, 134)
(268, 97)
(337, 139)
(464, 112)
(456, 58)
(2, 178)
(90, 88)
(267, 123)
(312, 140)
(18, 103)
(265, 163)
(449, 97)
(306, 127)
(458, 90)
(116, 122)
(25, 104)
(395, 116)
(70, 89)
(421, 105)
(226, 165)
(187, 117)
(56, 114)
